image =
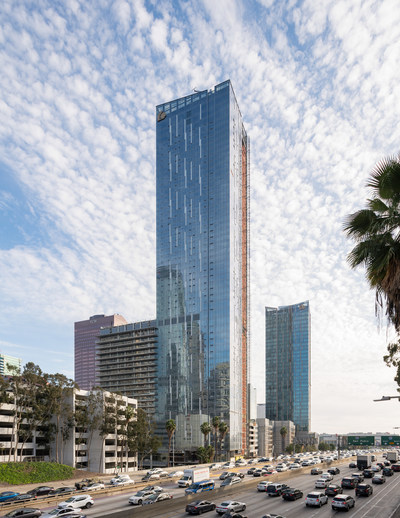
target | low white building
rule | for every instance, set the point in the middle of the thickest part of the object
(92, 451)
(79, 447)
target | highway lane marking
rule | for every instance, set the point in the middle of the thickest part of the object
(385, 493)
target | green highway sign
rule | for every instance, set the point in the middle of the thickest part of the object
(390, 440)
(361, 440)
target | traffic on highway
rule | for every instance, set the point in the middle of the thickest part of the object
(309, 486)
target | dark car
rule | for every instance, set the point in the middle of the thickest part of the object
(226, 474)
(276, 489)
(41, 490)
(200, 506)
(292, 494)
(352, 465)
(316, 471)
(7, 495)
(387, 463)
(24, 512)
(62, 490)
(333, 471)
(388, 472)
(273, 516)
(349, 482)
(378, 479)
(251, 471)
(233, 515)
(364, 490)
(381, 464)
(333, 490)
(368, 473)
(358, 476)
(396, 467)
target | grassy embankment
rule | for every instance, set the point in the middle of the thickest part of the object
(33, 472)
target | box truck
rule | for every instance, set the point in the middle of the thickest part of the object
(190, 476)
(392, 456)
(364, 461)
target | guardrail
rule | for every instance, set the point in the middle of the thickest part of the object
(43, 501)
(179, 504)
(47, 500)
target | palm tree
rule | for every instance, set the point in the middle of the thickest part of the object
(170, 426)
(205, 429)
(283, 432)
(223, 430)
(376, 230)
(215, 424)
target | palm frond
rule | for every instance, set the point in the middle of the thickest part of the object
(385, 178)
(358, 224)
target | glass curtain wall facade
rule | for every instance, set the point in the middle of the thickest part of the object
(202, 264)
(288, 364)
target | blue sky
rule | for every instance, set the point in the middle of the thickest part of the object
(318, 89)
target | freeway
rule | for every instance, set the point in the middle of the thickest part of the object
(382, 504)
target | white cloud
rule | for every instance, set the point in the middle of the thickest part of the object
(79, 89)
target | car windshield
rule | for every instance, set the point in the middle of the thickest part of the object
(54, 512)
(140, 493)
(71, 499)
(312, 496)
(153, 497)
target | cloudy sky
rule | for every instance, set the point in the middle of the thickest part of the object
(319, 93)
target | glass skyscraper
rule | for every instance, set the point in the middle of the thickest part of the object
(202, 265)
(288, 364)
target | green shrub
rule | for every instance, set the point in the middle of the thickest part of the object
(33, 472)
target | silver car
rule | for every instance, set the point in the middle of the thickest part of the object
(343, 502)
(316, 499)
(230, 506)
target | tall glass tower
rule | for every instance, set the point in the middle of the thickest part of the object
(202, 265)
(288, 364)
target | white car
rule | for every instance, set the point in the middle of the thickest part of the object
(241, 462)
(262, 486)
(175, 474)
(321, 483)
(77, 502)
(281, 467)
(230, 506)
(316, 499)
(326, 476)
(156, 489)
(140, 497)
(216, 466)
(295, 465)
(95, 486)
(121, 480)
(228, 465)
(158, 471)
